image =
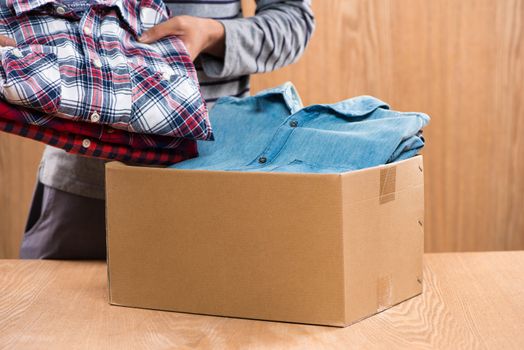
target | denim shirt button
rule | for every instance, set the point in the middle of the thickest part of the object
(262, 160)
(293, 123)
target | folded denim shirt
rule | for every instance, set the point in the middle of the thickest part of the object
(273, 132)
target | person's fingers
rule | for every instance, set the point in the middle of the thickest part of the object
(167, 28)
(6, 41)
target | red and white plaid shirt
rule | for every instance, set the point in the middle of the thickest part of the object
(92, 68)
(95, 140)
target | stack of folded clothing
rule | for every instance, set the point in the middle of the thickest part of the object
(273, 132)
(88, 86)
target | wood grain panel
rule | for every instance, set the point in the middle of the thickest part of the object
(469, 301)
(462, 63)
(459, 61)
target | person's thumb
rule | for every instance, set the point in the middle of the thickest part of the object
(6, 41)
(158, 32)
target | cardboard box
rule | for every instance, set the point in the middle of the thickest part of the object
(326, 249)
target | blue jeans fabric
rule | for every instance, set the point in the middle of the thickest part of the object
(272, 131)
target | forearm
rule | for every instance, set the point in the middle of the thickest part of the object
(276, 36)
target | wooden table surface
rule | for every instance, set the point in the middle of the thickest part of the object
(470, 300)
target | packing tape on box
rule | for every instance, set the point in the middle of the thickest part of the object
(384, 293)
(388, 184)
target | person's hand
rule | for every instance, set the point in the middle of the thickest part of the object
(198, 34)
(6, 41)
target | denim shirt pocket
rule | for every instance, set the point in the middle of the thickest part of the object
(30, 77)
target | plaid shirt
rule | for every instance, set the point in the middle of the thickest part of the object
(93, 69)
(103, 133)
(97, 140)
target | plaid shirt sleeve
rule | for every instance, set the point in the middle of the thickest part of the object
(148, 89)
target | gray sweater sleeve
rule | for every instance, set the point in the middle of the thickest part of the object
(276, 36)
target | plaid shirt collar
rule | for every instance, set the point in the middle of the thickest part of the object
(128, 11)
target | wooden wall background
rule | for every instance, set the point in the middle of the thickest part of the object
(462, 62)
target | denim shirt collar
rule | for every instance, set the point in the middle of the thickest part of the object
(353, 107)
(289, 96)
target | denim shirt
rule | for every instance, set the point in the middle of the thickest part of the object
(272, 131)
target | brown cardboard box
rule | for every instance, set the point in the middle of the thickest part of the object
(326, 249)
